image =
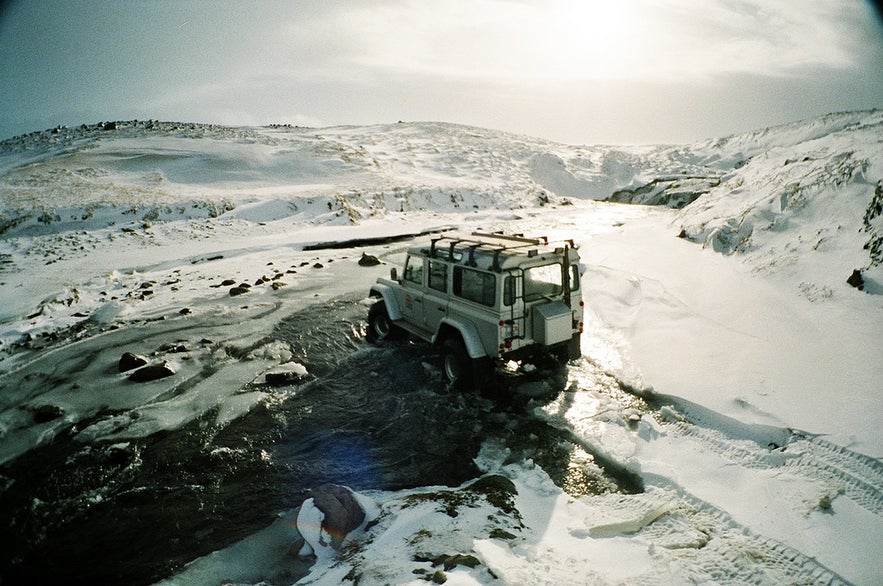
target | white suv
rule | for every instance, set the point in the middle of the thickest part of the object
(482, 298)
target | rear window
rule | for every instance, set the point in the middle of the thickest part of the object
(476, 286)
(542, 281)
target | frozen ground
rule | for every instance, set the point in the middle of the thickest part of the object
(721, 426)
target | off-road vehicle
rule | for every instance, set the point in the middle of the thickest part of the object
(483, 298)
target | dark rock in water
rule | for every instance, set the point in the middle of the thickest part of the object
(152, 372)
(277, 285)
(342, 511)
(128, 361)
(46, 413)
(185, 311)
(280, 379)
(227, 282)
(318, 265)
(238, 291)
(173, 347)
(856, 280)
(368, 260)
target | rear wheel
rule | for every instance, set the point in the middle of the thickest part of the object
(457, 364)
(465, 373)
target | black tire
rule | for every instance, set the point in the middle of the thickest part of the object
(457, 364)
(465, 373)
(380, 327)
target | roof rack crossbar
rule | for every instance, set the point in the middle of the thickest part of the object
(514, 238)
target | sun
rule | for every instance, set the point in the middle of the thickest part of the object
(594, 39)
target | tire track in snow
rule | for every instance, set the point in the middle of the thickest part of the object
(855, 475)
(733, 553)
(697, 541)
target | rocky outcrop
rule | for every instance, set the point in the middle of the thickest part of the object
(676, 192)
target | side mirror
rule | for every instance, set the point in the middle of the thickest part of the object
(393, 274)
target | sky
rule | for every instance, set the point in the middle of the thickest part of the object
(573, 71)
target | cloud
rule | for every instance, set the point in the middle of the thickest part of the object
(624, 40)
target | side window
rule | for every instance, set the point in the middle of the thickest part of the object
(476, 286)
(509, 291)
(438, 275)
(574, 278)
(414, 270)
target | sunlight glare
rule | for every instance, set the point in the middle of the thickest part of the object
(591, 39)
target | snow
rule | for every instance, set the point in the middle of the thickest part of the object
(759, 453)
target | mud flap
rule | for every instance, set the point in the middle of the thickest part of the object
(574, 350)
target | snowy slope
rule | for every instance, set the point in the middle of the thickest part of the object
(721, 427)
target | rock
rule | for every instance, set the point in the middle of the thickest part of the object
(277, 285)
(342, 511)
(128, 361)
(498, 490)
(368, 260)
(152, 372)
(856, 280)
(46, 413)
(172, 347)
(240, 290)
(281, 378)
(227, 282)
(318, 265)
(458, 559)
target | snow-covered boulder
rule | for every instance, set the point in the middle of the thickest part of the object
(329, 516)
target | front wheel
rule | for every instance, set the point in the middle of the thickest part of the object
(380, 327)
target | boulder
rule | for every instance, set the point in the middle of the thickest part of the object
(46, 413)
(340, 514)
(152, 372)
(128, 361)
(368, 260)
(856, 280)
(240, 290)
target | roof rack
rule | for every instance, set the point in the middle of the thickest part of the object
(474, 241)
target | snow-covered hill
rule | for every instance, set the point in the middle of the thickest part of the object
(722, 425)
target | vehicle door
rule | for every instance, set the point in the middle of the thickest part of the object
(413, 290)
(437, 297)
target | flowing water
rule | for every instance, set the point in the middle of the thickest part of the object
(370, 418)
